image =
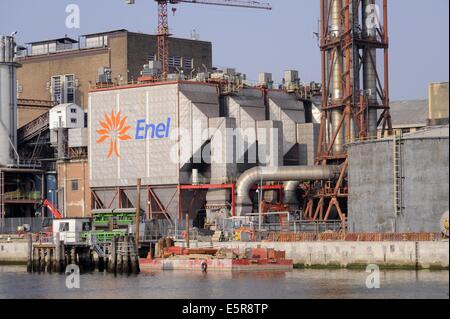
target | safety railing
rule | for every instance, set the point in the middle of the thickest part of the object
(19, 195)
(181, 235)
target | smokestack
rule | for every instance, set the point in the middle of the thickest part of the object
(370, 64)
(8, 100)
(336, 76)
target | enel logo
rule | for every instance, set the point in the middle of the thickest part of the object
(152, 131)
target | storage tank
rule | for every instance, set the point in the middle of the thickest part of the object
(411, 177)
(8, 100)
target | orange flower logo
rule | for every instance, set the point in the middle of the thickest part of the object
(113, 129)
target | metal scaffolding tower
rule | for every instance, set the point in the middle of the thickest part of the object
(355, 90)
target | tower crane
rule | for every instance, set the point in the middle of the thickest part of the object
(163, 22)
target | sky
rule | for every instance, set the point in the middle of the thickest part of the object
(255, 41)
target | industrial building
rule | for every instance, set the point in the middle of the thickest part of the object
(205, 146)
(63, 70)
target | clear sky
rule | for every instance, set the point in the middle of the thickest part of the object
(255, 41)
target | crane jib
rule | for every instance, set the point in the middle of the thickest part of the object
(228, 3)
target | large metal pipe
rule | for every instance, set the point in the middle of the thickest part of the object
(8, 99)
(244, 204)
(354, 64)
(290, 193)
(336, 77)
(370, 64)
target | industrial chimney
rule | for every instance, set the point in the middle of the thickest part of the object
(8, 100)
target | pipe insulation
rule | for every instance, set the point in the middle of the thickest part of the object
(244, 204)
(370, 64)
(290, 193)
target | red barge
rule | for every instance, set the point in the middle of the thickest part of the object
(258, 259)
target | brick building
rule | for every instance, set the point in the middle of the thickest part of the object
(64, 69)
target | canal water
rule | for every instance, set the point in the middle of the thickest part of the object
(15, 282)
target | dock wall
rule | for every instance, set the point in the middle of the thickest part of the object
(426, 255)
(13, 252)
(434, 255)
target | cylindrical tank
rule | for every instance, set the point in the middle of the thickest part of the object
(8, 100)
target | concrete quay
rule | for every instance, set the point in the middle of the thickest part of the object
(333, 254)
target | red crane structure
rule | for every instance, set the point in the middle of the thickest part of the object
(53, 210)
(163, 22)
(355, 91)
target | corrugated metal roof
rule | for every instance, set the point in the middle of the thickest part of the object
(413, 113)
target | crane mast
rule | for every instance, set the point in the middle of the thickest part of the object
(163, 23)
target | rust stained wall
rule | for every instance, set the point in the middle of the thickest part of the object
(74, 203)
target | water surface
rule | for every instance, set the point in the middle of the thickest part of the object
(298, 284)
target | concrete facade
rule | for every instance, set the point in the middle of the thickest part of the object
(425, 173)
(74, 196)
(183, 109)
(438, 102)
(308, 139)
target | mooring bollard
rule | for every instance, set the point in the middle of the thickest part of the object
(35, 260)
(57, 253)
(91, 261)
(112, 262)
(73, 256)
(101, 264)
(134, 258)
(30, 253)
(120, 255)
(42, 260)
(126, 253)
(63, 260)
(48, 260)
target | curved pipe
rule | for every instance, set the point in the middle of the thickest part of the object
(244, 203)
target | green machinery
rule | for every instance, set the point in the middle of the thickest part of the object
(110, 223)
(102, 236)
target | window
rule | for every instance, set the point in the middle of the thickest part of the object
(97, 41)
(73, 121)
(63, 227)
(188, 63)
(73, 111)
(175, 61)
(152, 57)
(74, 185)
(63, 88)
(56, 89)
(70, 88)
